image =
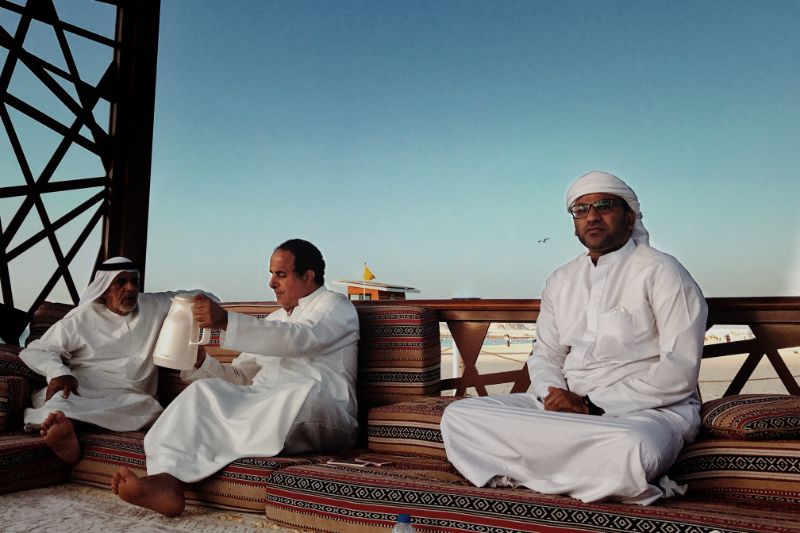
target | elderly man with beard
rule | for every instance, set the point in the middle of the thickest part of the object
(97, 361)
(291, 389)
(614, 370)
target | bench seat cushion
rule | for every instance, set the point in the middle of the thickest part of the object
(755, 470)
(239, 486)
(333, 498)
(27, 463)
(410, 427)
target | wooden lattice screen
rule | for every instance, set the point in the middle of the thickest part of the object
(104, 112)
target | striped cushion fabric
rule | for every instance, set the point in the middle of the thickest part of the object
(47, 314)
(752, 417)
(239, 486)
(12, 365)
(398, 354)
(27, 463)
(327, 498)
(15, 395)
(755, 470)
(410, 427)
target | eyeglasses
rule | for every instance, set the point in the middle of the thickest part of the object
(600, 206)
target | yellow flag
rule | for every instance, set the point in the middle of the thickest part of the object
(368, 275)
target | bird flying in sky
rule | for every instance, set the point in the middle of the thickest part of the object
(543, 240)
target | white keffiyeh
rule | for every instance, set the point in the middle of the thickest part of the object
(602, 182)
(103, 278)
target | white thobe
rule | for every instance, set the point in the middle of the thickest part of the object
(292, 389)
(110, 357)
(628, 332)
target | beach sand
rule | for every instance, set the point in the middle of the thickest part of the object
(715, 373)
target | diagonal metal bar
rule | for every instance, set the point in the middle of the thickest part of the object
(45, 120)
(5, 278)
(69, 257)
(53, 186)
(7, 41)
(55, 226)
(66, 26)
(57, 90)
(27, 204)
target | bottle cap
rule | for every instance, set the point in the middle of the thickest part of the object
(404, 518)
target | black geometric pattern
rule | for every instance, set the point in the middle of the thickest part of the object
(467, 511)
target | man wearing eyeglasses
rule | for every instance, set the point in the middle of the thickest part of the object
(613, 395)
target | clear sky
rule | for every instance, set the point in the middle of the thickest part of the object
(435, 140)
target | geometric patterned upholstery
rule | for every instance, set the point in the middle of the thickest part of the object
(15, 395)
(47, 314)
(754, 470)
(329, 498)
(398, 354)
(410, 427)
(27, 463)
(753, 417)
(239, 486)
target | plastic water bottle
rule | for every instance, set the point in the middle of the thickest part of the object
(403, 524)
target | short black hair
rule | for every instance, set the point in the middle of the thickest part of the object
(306, 257)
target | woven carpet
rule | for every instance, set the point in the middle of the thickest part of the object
(77, 508)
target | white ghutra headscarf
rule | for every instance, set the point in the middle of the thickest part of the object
(602, 182)
(106, 272)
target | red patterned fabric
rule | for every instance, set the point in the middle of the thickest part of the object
(409, 427)
(15, 394)
(238, 486)
(331, 498)
(27, 463)
(47, 314)
(755, 470)
(753, 417)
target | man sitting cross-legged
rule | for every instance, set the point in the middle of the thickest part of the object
(97, 361)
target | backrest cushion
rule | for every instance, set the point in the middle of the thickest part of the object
(752, 417)
(399, 354)
(47, 314)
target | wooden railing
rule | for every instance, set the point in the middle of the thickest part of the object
(775, 322)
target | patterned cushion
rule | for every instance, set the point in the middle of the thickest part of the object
(409, 427)
(753, 417)
(327, 498)
(15, 394)
(398, 354)
(47, 314)
(12, 365)
(756, 470)
(27, 463)
(239, 486)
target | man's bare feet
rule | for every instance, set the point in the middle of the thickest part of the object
(59, 434)
(161, 493)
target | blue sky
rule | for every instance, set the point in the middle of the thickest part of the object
(435, 140)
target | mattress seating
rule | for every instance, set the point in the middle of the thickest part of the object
(743, 473)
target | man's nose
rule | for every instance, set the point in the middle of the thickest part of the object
(272, 283)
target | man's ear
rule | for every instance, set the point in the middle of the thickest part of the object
(631, 219)
(308, 276)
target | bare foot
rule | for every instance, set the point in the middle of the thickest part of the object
(59, 434)
(161, 493)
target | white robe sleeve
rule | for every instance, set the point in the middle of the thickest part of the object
(319, 330)
(241, 370)
(547, 361)
(47, 355)
(680, 312)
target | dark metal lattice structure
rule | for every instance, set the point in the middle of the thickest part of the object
(118, 197)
